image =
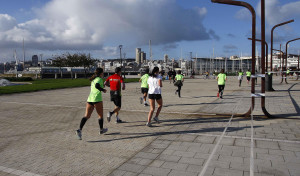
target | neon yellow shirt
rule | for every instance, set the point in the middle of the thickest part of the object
(95, 94)
(241, 73)
(144, 79)
(248, 74)
(179, 77)
(221, 78)
(288, 71)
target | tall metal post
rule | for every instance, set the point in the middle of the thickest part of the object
(277, 25)
(286, 56)
(120, 46)
(251, 9)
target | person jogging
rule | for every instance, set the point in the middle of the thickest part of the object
(94, 101)
(115, 81)
(248, 74)
(221, 78)
(240, 77)
(155, 85)
(144, 87)
(179, 82)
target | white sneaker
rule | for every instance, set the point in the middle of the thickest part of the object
(156, 119)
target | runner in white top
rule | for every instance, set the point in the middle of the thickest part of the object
(155, 84)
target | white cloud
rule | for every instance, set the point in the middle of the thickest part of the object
(92, 24)
(7, 22)
(278, 13)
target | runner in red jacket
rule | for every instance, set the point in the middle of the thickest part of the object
(115, 81)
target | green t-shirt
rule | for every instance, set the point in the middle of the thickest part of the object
(179, 77)
(248, 74)
(221, 78)
(144, 79)
(241, 73)
(95, 94)
(288, 71)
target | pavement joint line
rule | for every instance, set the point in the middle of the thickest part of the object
(215, 149)
(13, 171)
(63, 106)
(248, 138)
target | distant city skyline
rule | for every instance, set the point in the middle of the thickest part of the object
(175, 27)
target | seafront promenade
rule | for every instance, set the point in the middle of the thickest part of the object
(37, 133)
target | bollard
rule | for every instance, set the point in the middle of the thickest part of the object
(269, 82)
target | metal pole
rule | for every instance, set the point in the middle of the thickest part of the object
(266, 51)
(120, 46)
(280, 24)
(263, 50)
(286, 56)
(251, 9)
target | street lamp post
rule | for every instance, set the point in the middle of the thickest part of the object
(277, 25)
(191, 65)
(251, 9)
(124, 56)
(286, 46)
(41, 65)
(286, 55)
(120, 46)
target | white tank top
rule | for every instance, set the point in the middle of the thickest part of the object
(154, 88)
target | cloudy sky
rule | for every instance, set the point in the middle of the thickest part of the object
(175, 27)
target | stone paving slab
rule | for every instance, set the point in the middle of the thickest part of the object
(37, 133)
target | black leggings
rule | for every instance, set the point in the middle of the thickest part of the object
(178, 90)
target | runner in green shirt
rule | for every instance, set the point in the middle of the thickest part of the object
(221, 78)
(144, 87)
(248, 74)
(179, 80)
(240, 78)
(94, 101)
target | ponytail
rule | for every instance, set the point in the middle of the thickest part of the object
(97, 73)
(154, 71)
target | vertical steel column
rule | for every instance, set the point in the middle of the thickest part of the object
(251, 9)
(263, 50)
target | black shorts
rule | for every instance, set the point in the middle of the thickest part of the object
(93, 103)
(221, 87)
(248, 78)
(155, 96)
(144, 90)
(116, 98)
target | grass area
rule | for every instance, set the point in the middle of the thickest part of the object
(48, 84)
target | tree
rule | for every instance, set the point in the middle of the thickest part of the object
(59, 61)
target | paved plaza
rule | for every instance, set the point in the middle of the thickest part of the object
(197, 134)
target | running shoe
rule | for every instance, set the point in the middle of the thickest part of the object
(109, 114)
(78, 133)
(148, 124)
(119, 121)
(102, 131)
(156, 119)
(146, 104)
(141, 100)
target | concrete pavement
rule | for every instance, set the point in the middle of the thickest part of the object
(37, 133)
